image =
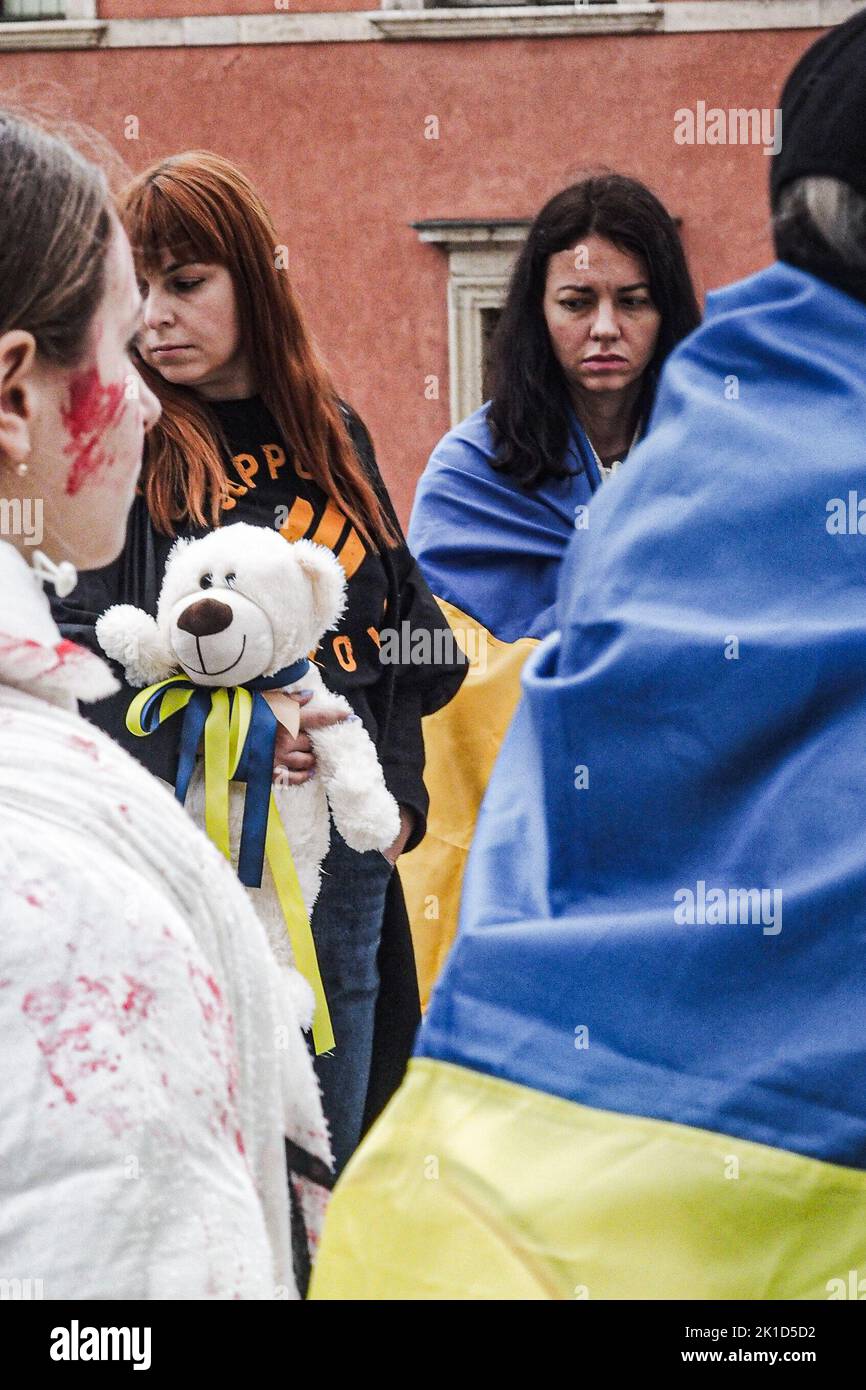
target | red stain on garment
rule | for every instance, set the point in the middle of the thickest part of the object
(239, 1140)
(93, 986)
(210, 999)
(13, 644)
(93, 408)
(29, 895)
(139, 998)
(65, 649)
(220, 1041)
(68, 1095)
(77, 1026)
(83, 745)
(34, 660)
(45, 1005)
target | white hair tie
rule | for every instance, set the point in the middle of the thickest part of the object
(64, 576)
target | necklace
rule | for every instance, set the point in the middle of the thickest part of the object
(607, 470)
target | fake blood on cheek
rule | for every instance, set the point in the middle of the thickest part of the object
(92, 410)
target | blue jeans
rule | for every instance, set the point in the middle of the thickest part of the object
(347, 928)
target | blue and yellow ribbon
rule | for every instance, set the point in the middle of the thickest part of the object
(239, 730)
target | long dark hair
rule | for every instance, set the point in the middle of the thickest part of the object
(528, 412)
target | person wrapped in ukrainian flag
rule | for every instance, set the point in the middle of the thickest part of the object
(643, 1072)
(599, 296)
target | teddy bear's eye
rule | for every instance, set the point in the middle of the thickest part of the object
(206, 581)
(230, 580)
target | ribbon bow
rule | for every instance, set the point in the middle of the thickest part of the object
(240, 730)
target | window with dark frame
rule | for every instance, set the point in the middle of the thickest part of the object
(489, 320)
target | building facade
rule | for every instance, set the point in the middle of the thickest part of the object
(404, 150)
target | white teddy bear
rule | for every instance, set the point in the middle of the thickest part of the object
(238, 604)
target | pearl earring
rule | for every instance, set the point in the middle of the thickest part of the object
(21, 469)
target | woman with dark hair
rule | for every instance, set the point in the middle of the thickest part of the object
(599, 296)
(144, 1104)
(252, 430)
(624, 1026)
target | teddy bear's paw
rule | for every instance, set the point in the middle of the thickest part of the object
(301, 995)
(373, 823)
(117, 631)
(130, 636)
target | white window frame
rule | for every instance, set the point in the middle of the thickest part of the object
(80, 27)
(72, 9)
(481, 256)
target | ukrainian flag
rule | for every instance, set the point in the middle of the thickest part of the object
(643, 1072)
(491, 553)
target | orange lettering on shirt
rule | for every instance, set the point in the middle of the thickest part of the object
(352, 554)
(298, 520)
(246, 473)
(371, 631)
(232, 492)
(275, 456)
(344, 654)
(329, 528)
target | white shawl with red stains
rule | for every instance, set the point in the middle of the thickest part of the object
(152, 1061)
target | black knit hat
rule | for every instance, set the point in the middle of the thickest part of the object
(824, 111)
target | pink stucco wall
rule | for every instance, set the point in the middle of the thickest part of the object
(333, 135)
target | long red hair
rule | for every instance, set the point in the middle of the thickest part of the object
(200, 207)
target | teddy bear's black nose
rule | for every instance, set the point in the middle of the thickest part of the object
(205, 617)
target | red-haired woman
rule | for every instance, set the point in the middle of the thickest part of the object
(252, 430)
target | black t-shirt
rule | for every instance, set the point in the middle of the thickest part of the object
(385, 589)
(266, 489)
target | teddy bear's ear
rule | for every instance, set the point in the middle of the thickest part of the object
(327, 580)
(180, 544)
(131, 636)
